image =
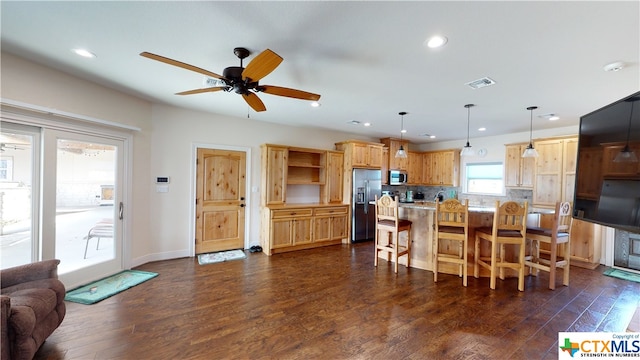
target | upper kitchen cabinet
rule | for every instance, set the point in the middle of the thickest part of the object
(393, 145)
(441, 168)
(518, 171)
(306, 166)
(361, 154)
(612, 168)
(414, 171)
(555, 171)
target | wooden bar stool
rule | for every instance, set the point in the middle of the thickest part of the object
(509, 228)
(387, 221)
(558, 234)
(452, 223)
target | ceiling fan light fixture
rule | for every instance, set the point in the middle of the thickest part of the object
(530, 151)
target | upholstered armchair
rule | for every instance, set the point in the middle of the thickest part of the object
(33, 306)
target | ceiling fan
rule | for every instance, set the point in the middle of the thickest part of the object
(241, 80)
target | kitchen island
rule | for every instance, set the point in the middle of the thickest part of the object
(422, 216)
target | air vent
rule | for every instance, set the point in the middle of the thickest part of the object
(480, 83)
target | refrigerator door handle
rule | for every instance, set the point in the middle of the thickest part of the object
(366, 196)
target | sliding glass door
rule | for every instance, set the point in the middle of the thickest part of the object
(61, 197)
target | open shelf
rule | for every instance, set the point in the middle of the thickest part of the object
(306, 167)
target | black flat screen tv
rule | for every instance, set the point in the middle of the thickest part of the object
(607, 186)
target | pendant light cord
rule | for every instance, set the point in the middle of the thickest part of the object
(630, 119)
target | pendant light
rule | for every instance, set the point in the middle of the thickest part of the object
(401, 153)
(530, 151)
(626, 154)
(467, 150)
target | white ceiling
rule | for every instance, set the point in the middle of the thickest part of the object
(366, 59)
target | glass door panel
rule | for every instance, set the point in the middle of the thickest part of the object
(84, 201)
(17, 245)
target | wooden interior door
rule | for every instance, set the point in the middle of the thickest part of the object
(220, 200)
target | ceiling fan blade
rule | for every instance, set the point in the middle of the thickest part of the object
(292, 93)
(254, 101)
(203, 90)
(261, 65)
(177, 63)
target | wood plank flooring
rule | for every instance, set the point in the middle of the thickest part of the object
(332, 303)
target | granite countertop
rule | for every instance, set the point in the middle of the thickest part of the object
(430, 205)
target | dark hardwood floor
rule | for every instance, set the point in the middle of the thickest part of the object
(331, 303)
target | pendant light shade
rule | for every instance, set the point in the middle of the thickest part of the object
(401, 153)
(626, 154)
(467, 150)
(530, 151)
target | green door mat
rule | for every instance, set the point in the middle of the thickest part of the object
(621, 274)
(107, 287)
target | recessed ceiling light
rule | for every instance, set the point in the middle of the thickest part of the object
(614, 66)
(428, 135)
(482, 129)
(403, 131)
(550, 117)
(367, 124)
(84, 53)
(315, 104)
(436, 41)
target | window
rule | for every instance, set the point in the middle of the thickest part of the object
(484, 178)
(6, 169)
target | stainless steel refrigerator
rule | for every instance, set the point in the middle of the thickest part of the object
(366, 185)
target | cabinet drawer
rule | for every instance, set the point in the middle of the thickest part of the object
(277, 214)
(338, 210)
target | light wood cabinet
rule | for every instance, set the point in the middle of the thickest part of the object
(415, 168)
(385, 165)
(306, 166)
(518, 171)
(291, 228)
(394, 145)
(361, 154)
(330, 223)
(335, 163)
(274, 174)
(555, 171)
(441, 168)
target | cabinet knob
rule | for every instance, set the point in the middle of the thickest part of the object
(242, 205)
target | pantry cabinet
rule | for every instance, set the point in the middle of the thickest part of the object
(555, 171)
(518, 171)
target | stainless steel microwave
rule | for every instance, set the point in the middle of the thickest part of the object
(398, 177)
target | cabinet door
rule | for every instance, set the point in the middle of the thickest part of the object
(301, 231)
(321, 228)
(548, 183)
(415, 168)
(274, 170)
(339, 227)
(334, 177)
(385, 165)
(512, 166)
(427, 169)
(360, 154)
(394, 162)
(375, 156)
(281, 233)
(527, 170)
(449, 163)
(569, 159)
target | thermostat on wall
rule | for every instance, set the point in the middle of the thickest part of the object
(162, 180)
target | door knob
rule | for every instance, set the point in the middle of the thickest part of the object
(242, 205)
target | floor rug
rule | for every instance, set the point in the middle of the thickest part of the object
(102, 289)
(621, 274)
(221, 256)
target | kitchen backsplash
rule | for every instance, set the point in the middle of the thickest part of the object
(430, 192)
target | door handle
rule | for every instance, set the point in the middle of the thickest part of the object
(121, 211)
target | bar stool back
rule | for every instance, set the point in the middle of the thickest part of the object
(452, 223)
(389, 223)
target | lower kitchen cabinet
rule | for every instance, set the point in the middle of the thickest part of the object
(289, 228)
